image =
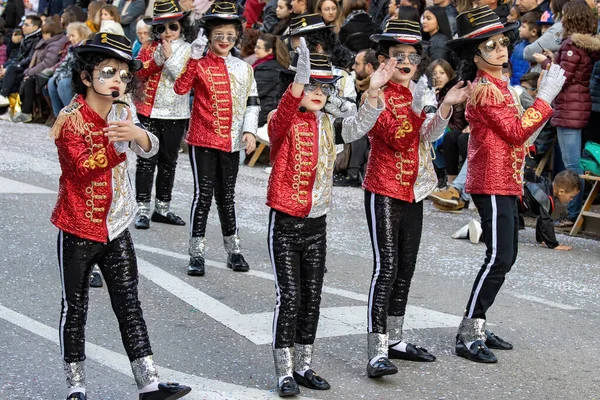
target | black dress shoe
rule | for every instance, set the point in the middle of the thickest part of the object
(311, 380)
(412, 353)
(166, 391)
(196, 267)
(96, 279)
(142, 222)
(237, 263)
(77, 396)
(170, 218)
(383, 366)
(288, 387)
(478, 352)
(496, 342)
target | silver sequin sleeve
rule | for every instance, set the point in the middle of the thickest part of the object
(119, 113)
(355, 127)
(135, 147)
(174, 64)
(251, 114)
(168, 104)
(434, 126)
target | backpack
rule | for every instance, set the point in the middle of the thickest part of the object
(590, 158)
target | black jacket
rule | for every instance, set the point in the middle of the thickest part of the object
(269, 17)
(267, 82)
(538, 201)
(378, 10)
(12, 14)
(356, 30)
(438, 50)
(27, 49)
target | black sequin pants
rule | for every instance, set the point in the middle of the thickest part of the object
(215, 171)
(500, 226)
(297, 247)
(117, 261)
(395, 227)
(169, 133)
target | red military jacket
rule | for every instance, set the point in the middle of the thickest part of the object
(499, 132)
(150, 74)
(86, 160)
(294, 145)
(393, 164)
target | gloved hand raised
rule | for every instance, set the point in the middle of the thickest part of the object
(551, 83)
(422, 95)
(303, 67)
(199, 45)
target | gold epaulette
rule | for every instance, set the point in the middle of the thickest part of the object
(69, 114)
(485, 93)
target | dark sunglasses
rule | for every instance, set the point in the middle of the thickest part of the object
(109, 72)
(162, 28)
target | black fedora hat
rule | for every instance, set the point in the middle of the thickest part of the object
(305, 23)
(320, 69)
(223, 10)
(400, 31)
(111, 45)
(478, 24)
(165, 11)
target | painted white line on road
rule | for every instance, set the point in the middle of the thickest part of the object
(544, 301)
(202, 388)
(10, 186)
(256, 327)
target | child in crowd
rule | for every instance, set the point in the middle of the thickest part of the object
(303, 141)
(529, 32)
(95, 206)
(224, 122)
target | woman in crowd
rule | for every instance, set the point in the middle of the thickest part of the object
(93, 16)
(331, 13)
(143, 33)
(164, 112)
(436, 29)
(272, 58)
(283, 12)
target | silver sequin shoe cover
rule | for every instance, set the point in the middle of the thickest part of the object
(75, 372)
(394, 328)
(197, 246)
(377, 345)
(144, 209)
(162, 207)
(471, 329)
(144, 371)
(232, 244)
(302, 356)
(284, 361)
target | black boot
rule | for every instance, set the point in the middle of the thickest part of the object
(288, 387)
(196, 266)
(478, 351)
(170, 218)
(237, 263)
(77, 396)
(383, 366)
(96, 280)
(166, 391)
(495, 342)
(142, 222)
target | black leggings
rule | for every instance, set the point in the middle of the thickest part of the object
(169, 133)
(395, 227)
(297, 247)
(455, 145)
(117, 261)
(215, 171)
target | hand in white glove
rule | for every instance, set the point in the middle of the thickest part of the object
(199, 45)
(303, 67)
(551, 83)
(159, 56)
(419, 95)
(338, 107)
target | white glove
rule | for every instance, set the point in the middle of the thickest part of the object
(338, 107)
(419, 95)
(551, 83)
(199, 45)
(303, 66)
(159, 57)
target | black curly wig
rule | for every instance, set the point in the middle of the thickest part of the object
(87, 64)
(339, 55)
(188, 30)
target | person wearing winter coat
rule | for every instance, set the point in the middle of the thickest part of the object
(573, 105)
(357, 26)
(436, 29)
(13, 12)
(46, 55)
(131, 11)
(552, 38)
(271, 61)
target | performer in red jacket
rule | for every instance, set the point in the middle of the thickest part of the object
(399, 176)
(96, 205)
(161, 110)
(224, 121)
(501, 132)
(303, 139)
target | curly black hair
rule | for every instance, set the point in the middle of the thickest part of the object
(188, 30)
(87, 64)
(339, 55)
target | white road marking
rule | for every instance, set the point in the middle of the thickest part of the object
(544, 301)
(202, 388)
(10, 186)
(256, 327)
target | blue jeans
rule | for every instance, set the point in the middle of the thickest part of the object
(569, 140)
(60, 94)
(460, 181)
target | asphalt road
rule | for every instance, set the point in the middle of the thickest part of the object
(213, 332)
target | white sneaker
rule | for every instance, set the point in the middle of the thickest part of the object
(4, 101)
(462, 233)
(475, 231)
